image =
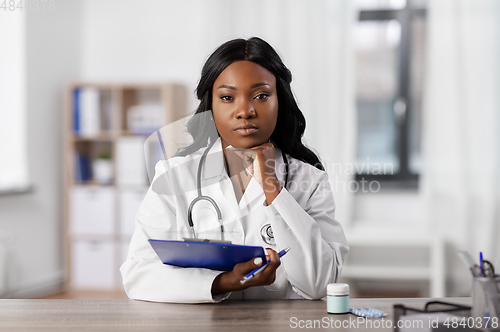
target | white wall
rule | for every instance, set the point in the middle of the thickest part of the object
(148, 41)
(390, 209)
(34, 219)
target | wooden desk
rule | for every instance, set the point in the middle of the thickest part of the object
(130, 315)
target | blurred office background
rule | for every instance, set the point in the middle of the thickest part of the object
(402, 102)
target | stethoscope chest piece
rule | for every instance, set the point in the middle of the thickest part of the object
(267, 234)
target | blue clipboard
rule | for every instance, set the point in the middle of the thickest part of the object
(209, 255)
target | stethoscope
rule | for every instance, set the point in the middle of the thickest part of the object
(266, 231)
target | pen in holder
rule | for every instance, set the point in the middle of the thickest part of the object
(486, 302)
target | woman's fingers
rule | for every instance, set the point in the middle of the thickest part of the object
(247, 157)
(275, 258)
(269, 274)
(258, 161)
(238, 152)
(243, 153)
(266, 277)
(231, 281)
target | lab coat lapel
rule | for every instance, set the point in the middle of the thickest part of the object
(227, 191)
(215, 169)
(253, 194)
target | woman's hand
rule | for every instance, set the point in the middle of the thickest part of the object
(259, 161)
(230, 281)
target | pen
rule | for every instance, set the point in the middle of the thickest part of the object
(260, 268)
(481, 262)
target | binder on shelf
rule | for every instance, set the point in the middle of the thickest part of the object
(89, 112)
(106, 109)
(76, 111)
(86, 112)
(82, 167)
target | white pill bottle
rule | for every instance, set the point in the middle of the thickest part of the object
(337, 300)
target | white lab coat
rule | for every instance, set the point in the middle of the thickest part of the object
(301, 216)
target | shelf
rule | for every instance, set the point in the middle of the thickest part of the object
(129, 133)
(104, 137)
(99, 217)
(93, 237)
(92, 183)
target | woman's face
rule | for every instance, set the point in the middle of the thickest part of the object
(245, 104)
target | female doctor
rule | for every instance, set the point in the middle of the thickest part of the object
(269, 189)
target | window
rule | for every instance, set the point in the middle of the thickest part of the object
(390, 47)
(13, 159)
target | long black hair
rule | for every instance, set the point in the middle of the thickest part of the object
(291, 123)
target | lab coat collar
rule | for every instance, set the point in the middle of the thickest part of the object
(178, 175)
(213, 170)
(214, 165)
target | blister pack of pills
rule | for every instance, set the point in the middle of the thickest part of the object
(367, 312)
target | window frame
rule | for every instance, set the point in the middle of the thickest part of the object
(405, 16)
(13, 82)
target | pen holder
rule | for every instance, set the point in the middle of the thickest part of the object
(486, 303)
